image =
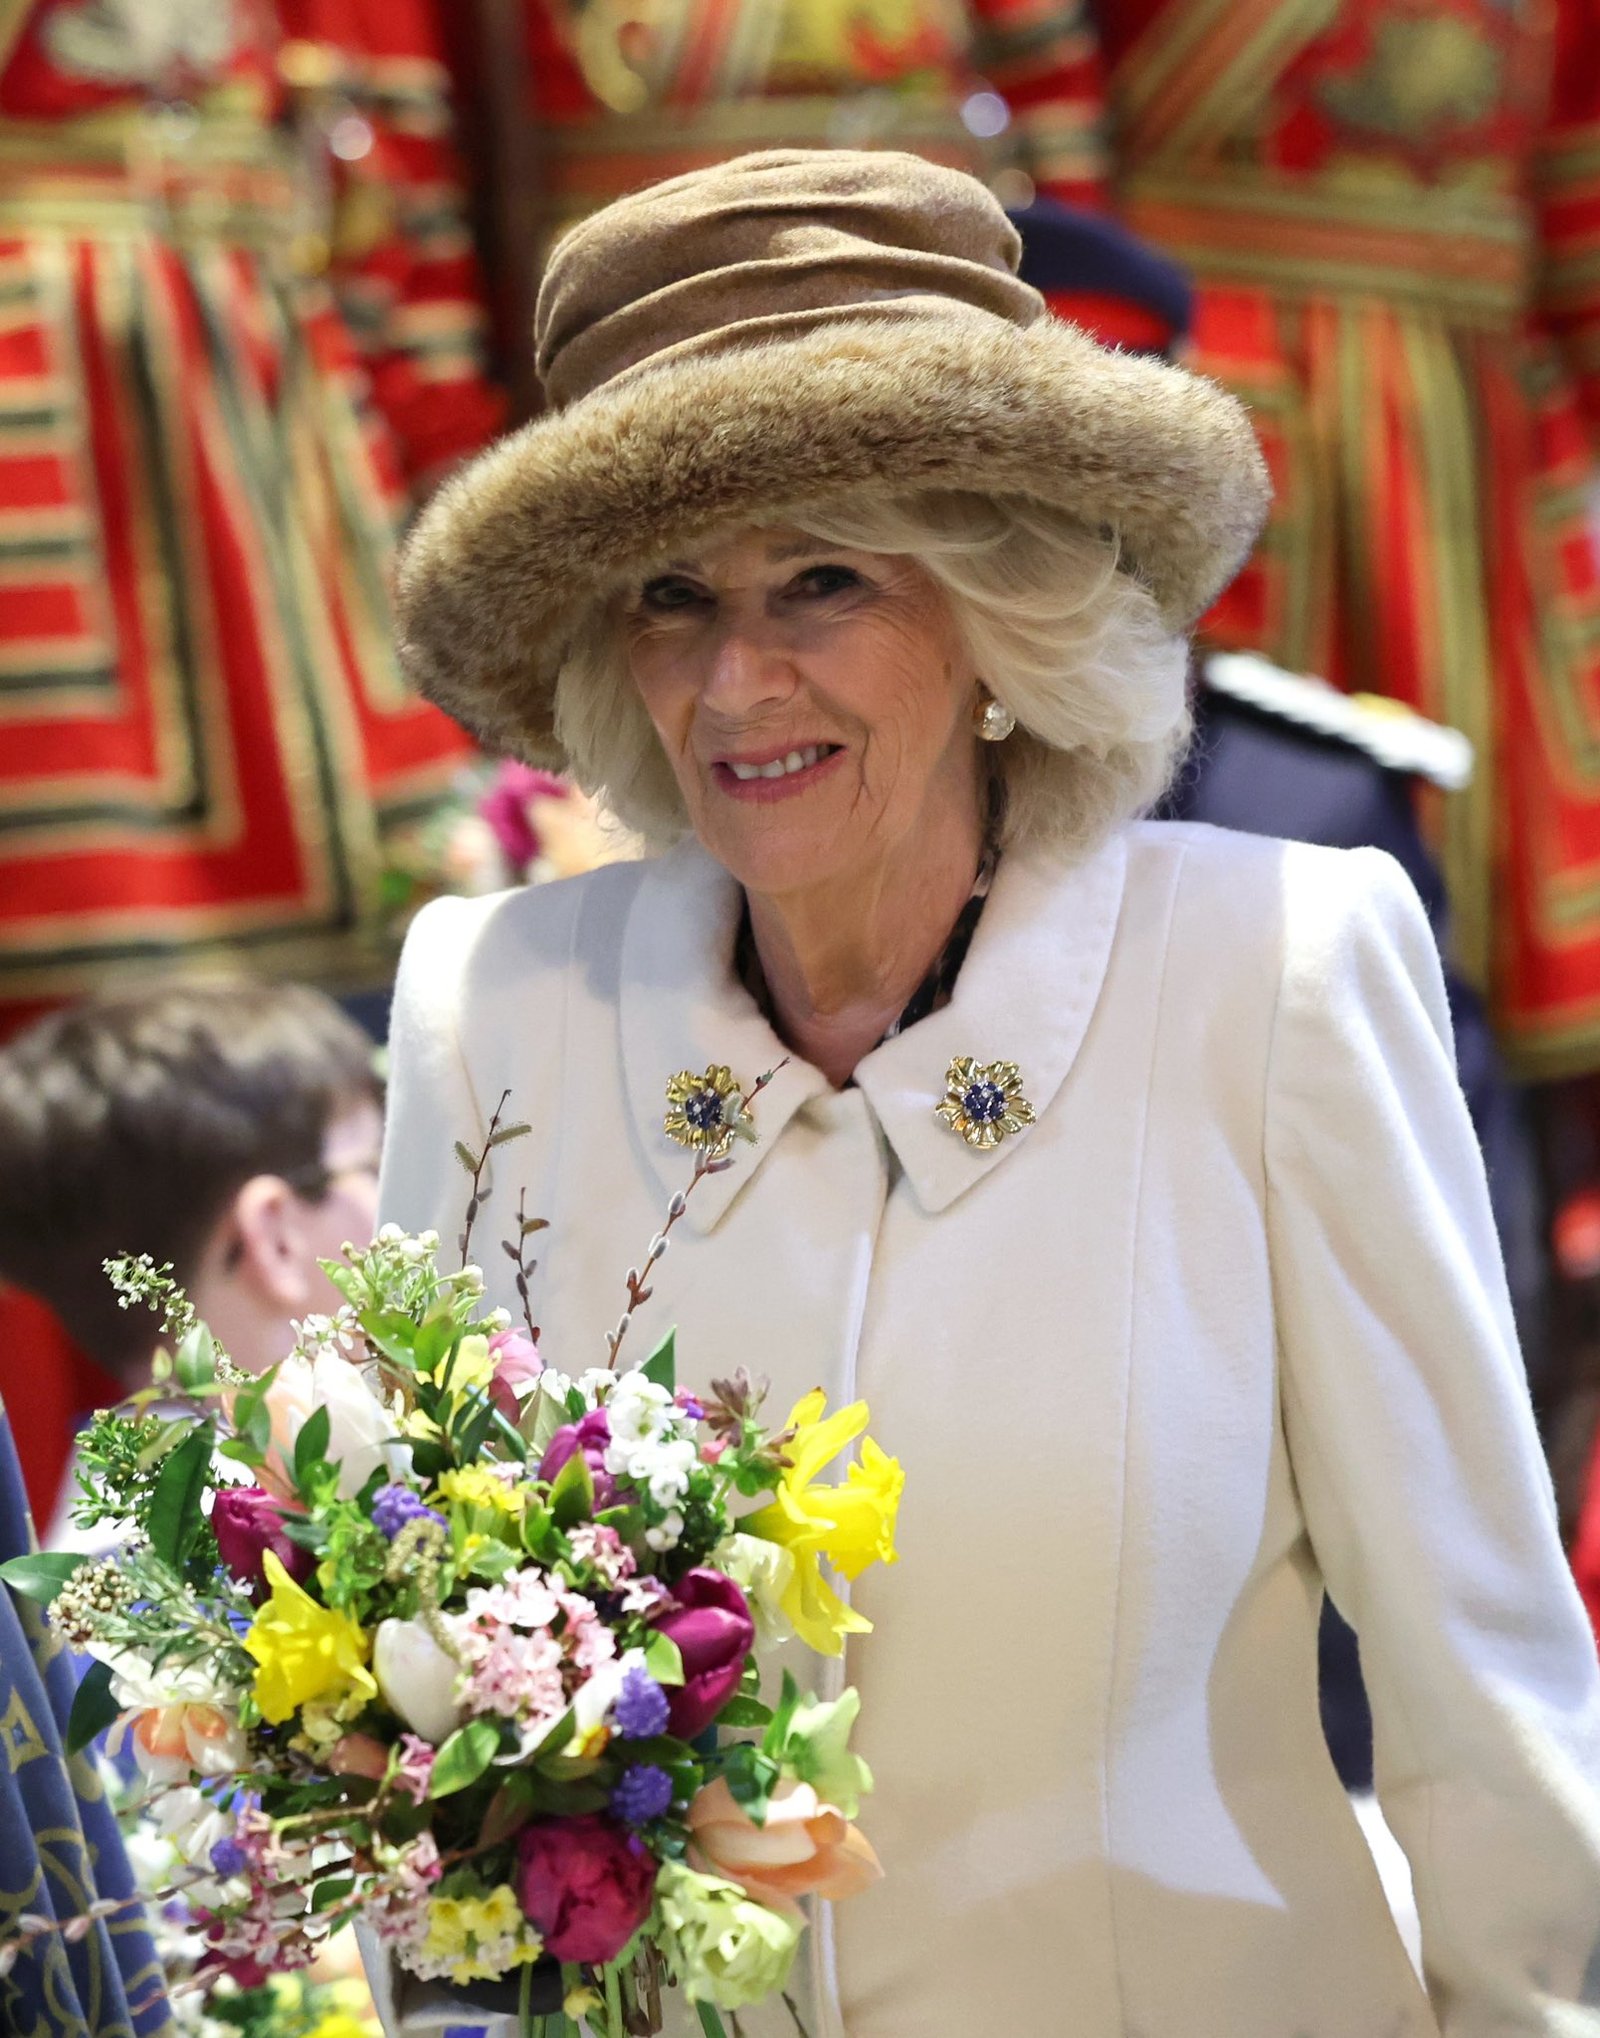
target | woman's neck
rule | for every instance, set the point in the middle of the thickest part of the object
(843, 959)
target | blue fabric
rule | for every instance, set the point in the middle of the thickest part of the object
(60, 1848)
(1064, 249)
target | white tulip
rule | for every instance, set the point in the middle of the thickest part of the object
(416, 1678)
(362, 1433)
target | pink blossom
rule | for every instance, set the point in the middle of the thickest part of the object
(414, 1771)
(505, 807)
(587, 1640)
(599, 1545)
(645, 1595)
(516, 1362)
(400, 1914)
(515, 1674)
(524, 1600)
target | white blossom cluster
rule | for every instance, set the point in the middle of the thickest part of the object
(650, 1445)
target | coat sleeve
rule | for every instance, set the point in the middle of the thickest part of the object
(1424, 1491)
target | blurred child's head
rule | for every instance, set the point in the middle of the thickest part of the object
(231, 1128)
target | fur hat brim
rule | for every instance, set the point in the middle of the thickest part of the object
(517, 547)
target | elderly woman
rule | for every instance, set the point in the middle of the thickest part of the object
(1121, 1166)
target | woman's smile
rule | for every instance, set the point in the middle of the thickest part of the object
(760, 777)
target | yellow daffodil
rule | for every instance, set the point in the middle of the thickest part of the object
(304, 1651)
(474, 1486)
(471, 1366)
(341, 2024)
(480, 1937)
(852, 1525)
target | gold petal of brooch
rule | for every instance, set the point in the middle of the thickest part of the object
(983, 1101)
(706, 1112)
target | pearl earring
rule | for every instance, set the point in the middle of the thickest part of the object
(995, 721)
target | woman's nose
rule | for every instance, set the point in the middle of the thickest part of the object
(748, 672)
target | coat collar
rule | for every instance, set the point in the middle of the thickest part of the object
(1025, 994)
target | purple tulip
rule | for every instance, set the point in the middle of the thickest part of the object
(591, 1436)
(585, 1884)
(712, 1627)
(249, 1522)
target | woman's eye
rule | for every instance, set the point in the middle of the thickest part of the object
(826, 580)
(668, 595)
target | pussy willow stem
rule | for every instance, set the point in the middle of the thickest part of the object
(704, 1164)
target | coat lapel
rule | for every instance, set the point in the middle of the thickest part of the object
(683, 1008)
(1025, 994)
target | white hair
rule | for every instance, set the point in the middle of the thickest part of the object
(1075, 648)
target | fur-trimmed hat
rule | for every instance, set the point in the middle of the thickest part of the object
(785, 329)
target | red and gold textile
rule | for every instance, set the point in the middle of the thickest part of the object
(1392, 208)
(207, 430)
(629, 91)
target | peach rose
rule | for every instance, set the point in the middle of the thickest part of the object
(806, 1847)
(173, 1742)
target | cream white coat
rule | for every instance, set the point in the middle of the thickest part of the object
(1227, 1322)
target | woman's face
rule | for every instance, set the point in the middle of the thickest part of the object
(815, 704)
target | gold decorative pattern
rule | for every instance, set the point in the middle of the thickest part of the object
(705, 1112)
(983, 1101)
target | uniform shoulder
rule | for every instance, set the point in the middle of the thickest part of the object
(1386, 731)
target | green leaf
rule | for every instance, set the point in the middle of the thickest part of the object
(572, 1494)
(93, 1708)
(333, 1891)
(662, 1364)
(464, 1757)
(428, 1459)
(311, 1446)
(252, 1419)
(41, 1574)
(242, 1451)
(778, 1732)
(435, 1341)
(510, 1808)
(175, 1517)
(558, 1737)
(394, 1334)
(473, 1419)
(744, 1712)
(491, 1561)
(663, 1658)
(750, 1775)
(165, 1439)
(569, 1768)
(195, 1360)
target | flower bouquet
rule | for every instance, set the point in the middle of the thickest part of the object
(418, 1629)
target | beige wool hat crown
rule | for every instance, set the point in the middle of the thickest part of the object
(733, 345)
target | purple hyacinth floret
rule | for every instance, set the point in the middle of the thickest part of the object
(641, 1709)
(228, 1857)
(394, 1506)
(643, 1794)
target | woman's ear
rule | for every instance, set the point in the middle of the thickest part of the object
(268, 1247)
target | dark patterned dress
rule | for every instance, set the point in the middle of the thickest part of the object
(60, 1849)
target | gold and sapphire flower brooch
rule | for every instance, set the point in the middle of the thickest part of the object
(983, 1101)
